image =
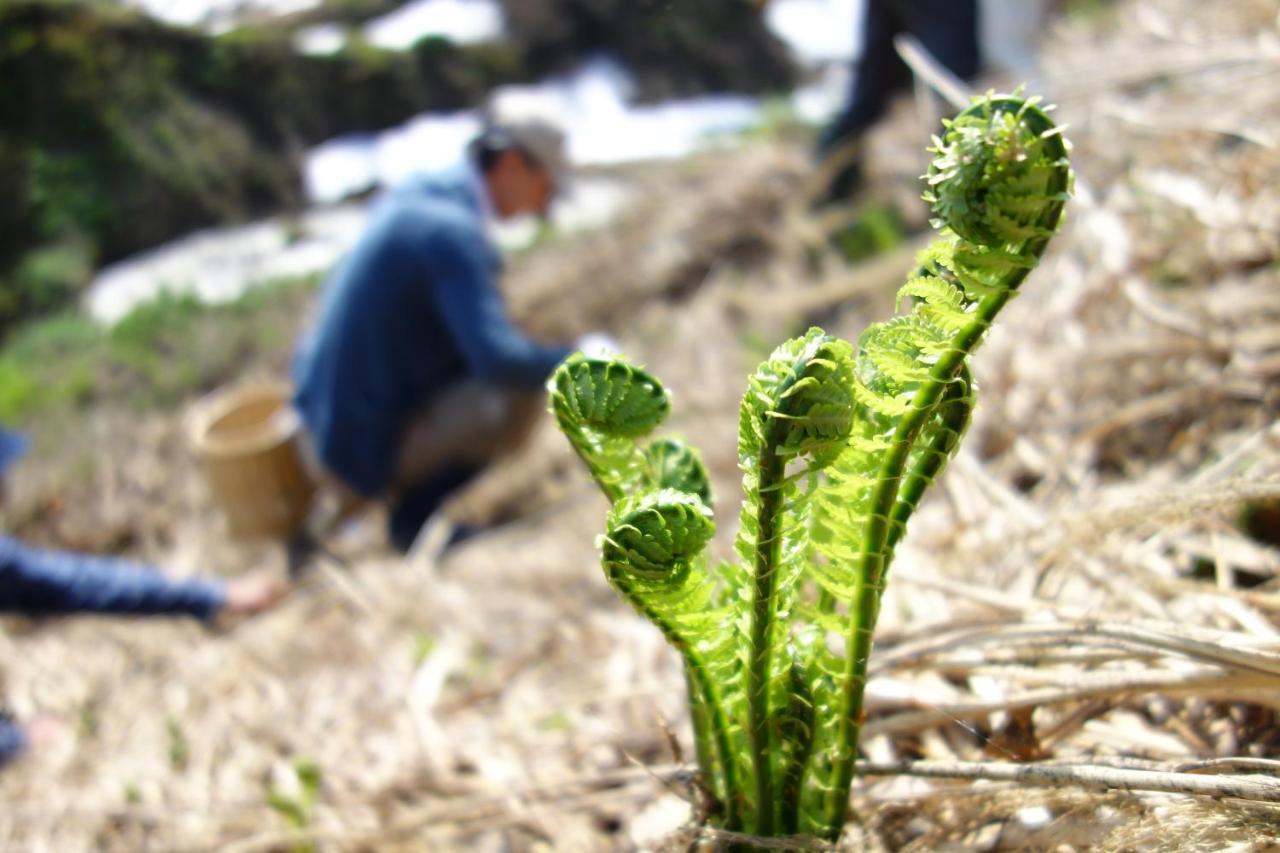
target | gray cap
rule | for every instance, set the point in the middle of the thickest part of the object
(543, 140)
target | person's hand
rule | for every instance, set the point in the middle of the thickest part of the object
(253, 593)
(46, 732)
(599, 345)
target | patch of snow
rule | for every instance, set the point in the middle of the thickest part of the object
(357, 162)
(341, 167)
(217, 13)
(819, 100)
(431, 141)
(220, 264)
(817, 31)
(321, 40)
(592, 104)
(461, 21)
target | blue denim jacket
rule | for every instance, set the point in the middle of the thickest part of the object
(412, 310)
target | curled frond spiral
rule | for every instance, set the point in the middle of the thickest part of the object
(672, 464)
(653, 556)
(999, 173)
(799, 400)
(655, 536)
(603, 405)
(608, 395)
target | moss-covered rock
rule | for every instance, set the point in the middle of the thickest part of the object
(118, 132)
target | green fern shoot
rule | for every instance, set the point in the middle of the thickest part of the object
(837, 445)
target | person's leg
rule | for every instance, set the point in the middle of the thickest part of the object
(411, 508)
(948, 29)
(472, 424)
(334, 504)
(461, 432)
(878, 72)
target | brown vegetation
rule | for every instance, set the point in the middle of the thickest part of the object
(1079, 589)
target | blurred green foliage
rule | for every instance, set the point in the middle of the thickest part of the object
(179, 746)
(297, 806)
(118, 133)
(877, 228)
(161, 353)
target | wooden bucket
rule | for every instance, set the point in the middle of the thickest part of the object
(247, 441)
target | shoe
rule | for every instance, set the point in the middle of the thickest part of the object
(417, 504)
(298, 552)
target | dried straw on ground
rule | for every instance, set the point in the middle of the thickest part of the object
(1078, 640)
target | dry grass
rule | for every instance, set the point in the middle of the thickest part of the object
(1077, 589)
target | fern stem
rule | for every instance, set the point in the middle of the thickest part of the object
(602, 475)
(955, 408)
(695, 670)
(797, 731)
(703, 732)
(869, 580)
(769, 471)
(714, 710)
(711, 738)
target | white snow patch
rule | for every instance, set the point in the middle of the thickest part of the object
(461, 21)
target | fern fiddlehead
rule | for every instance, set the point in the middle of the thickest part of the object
(652, 556)
(837, 445)
(797, 406)
(605, 407)
(998, 182)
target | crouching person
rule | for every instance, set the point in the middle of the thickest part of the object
(413, 379)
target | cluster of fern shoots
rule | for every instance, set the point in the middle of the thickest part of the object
(837, 444)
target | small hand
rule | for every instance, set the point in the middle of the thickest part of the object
(253, 593)
(45, 732)
(599, 345)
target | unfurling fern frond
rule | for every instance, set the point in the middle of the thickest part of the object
(798, 407)
(653, 556)
(604, 406)
(672, 464)
(837, 446)
(998, 183)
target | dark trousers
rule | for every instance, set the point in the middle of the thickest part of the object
(947, 28)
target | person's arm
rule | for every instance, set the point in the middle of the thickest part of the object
(46, 583)
(472, 308)
(13, 740)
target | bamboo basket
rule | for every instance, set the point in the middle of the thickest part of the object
(247, 441)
